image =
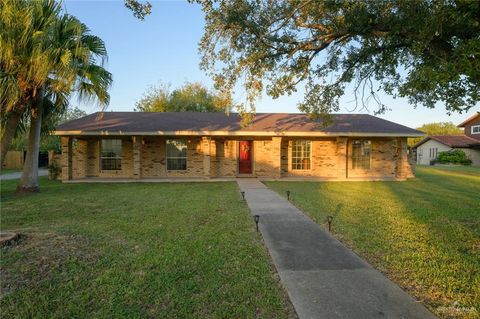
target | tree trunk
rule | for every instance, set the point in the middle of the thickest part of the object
(29, 180)
(9, 133)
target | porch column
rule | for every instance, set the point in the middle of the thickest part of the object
(277, 156)
(137, 157)
(403, 167)
(206, 156)
(342, 157)
(66, 158)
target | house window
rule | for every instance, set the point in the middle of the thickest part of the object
(361, 154)
(433, 152)
(111, 154)
(476, 129)
(176, 155)
(301, 154)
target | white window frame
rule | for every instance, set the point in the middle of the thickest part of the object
(116, 157)
(302, 157)
(476, 127)
(176, 157)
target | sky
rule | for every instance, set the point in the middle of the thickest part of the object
(164, 49)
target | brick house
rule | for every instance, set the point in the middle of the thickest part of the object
(163, 146)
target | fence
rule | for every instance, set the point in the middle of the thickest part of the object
(14, 160)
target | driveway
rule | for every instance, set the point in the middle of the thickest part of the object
(323, 278)
(17, 175)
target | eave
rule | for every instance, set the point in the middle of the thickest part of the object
(235, 133)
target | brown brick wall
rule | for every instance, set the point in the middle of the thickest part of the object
(66, 158)
(154, 158)
(127, 161)
(145, 157)
(224, 158)
(323, 158)
(383, 159)
(263, 154)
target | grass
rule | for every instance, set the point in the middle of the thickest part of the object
(135, 251)
(471, 170)
(424, 233)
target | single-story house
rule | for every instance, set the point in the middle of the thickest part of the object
(146, 146)
(428, 148)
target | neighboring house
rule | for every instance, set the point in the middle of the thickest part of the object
(471, 126)
(428, 148)
(136, 145)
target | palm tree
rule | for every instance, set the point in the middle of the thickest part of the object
(24, 65)
(76, 58)
(45, 57)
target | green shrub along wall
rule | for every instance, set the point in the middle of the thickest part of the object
(453, 157)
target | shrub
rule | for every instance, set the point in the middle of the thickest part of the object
(54, 170)
(453, 157)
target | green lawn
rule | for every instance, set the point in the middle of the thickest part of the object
(471, 170)
(136, 251)
(423, 233)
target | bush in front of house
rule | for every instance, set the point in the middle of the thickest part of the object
(452, 157)
(54, 170)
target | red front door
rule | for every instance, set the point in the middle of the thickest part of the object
(245, 157)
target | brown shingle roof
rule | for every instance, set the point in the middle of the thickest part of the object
(453, 141)
(142, 123)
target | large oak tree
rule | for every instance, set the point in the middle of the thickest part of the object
(426, 51)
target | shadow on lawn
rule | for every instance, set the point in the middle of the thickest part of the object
(423, 232)
(441, 231)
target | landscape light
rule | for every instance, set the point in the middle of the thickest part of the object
(257, 219)
(329, 221)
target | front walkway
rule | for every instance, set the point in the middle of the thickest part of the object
(323, 278)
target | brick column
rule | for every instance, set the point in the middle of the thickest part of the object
(277, 156)
(137, 157)
(403, 168)
(66, 158)
(342, 160)
(206, 156)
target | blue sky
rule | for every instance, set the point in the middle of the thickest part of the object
(164, 48)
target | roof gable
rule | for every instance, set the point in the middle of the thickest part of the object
(471, 118)
(198, 123)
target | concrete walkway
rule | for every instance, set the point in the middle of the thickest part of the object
(323, 278)
(17, 175)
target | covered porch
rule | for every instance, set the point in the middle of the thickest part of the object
(164, 158)
(122, 158)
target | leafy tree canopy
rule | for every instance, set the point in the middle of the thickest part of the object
(191, 97)
(438, 128)
(426, 51)
(139, 9)
(46, 55)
